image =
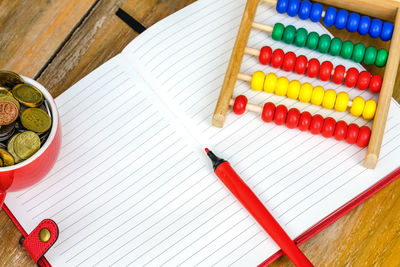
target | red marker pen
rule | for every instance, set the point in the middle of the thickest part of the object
(249, 200)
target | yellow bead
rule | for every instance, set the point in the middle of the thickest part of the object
(369, 109)
(329, 99)
(257, 82)
(317, 95)
(281, 86)
(342, 101)
(294, 89)
(270, 83)
(305, 92)
(357, 107)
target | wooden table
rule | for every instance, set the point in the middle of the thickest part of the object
(58, 42)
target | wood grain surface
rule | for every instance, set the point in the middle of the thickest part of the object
(60, 41)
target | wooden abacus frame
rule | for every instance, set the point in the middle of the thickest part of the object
(384, 9)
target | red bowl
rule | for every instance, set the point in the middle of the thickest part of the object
(32, 170)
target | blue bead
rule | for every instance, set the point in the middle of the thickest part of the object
(293, 8)
(316, 12)
(341, 19)
(365, 23)
(281, 6)
(305, 9)
(387, 31)
(330, 16)
(376, 28)
(352, 22)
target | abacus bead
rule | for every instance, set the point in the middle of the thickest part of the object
(316, 12)
(336, 47)
(342, 101)
(357, 107)
(313, 68)
(324, 43)
(328, 128)
(341, 19)
(363, 136)
(369, 109)
(387, 31)
(312, 40)
(317, 95)
(363, 80)
(352, 133)
(280, 115)
(370, 55)
(289, 34)
(364, 25)
(292, 119)
(281, 86)
(381, 57)
(330, 16)
(305, 92)
(340, 131)
(358, 52)
(305, 9)
(239, 106)
(347, 49)
(352, 22)
(338, 74)
(305, 121)
(375, 28)
(265, 55)
(270, 82)
(317, 122)
(376, 83)
(294, 89)
(282, 6)
(301, 64)
(268, 112)
(329, 99)
(325, 71)
(277, 58)
(277, 32)
(351, 77)
(257, 81)
(289, 61)
(301, 37)
(293, 8)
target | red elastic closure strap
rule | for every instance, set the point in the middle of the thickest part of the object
(32, 243)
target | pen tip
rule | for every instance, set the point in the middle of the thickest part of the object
(207, 150)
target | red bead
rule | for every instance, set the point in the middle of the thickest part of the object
(338, 74)
(328, 128)
(325, 72)
(363, 136)
(352, 133)
(316, 124)
(305, 121)
(340, 130)
(289, 61)
(265, 55)
(293, 117)
(376, 83)
(313, 68)
(268, 112)
(363, 80)
(301, 64)
(277, 58)
(280, 115)
(239, 107)
(351, 77)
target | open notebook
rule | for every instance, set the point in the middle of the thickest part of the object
(132, 184)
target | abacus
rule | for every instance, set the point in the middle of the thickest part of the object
(388, 10)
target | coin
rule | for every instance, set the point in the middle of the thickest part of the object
(5, 91)
(8, 160)
(36, 120)
(10, 148)
(9, 79)
(8, 112)
(1, 162)
(6, 131)
(11, 99)
(28, 95)
(26, 144)
(2, 145)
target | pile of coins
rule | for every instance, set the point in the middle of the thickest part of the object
(25, 119)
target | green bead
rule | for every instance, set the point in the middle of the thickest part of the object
(324, 43)
(347, 49)
(358, 52)
(370, 55)
(381, 58)
(301, 37)
(277, 32)
(336, 47)
(312, 40)
(289, 34)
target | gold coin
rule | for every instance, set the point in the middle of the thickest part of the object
(11, 99)
(5, 91)
(36, 119)
(28, 95)
(1, 162)
(26, 144)
(44, 235)
(9, 79)
(10, 148)
(8, 160)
